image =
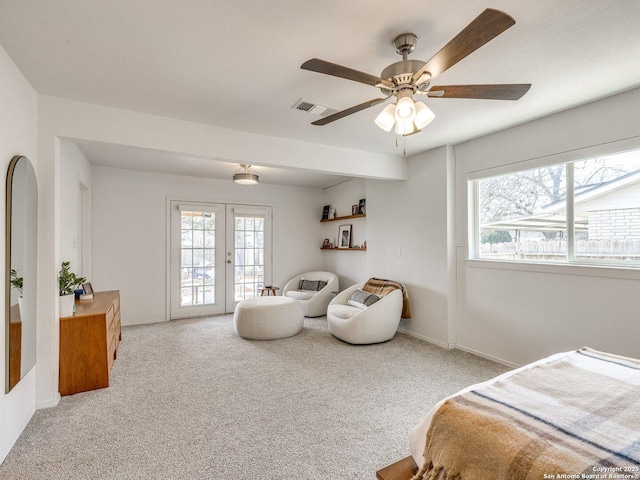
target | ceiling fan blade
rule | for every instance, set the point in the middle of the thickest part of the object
(348, 111)
(321, 66)
(486, 26)
(513, 91)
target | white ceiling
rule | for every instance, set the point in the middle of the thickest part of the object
(236, 64)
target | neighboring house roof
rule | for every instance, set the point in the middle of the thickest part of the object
(597, 190)
(552, 217)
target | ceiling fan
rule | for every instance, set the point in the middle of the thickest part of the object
(408, 77)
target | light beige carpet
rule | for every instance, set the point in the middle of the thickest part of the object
(191, 400)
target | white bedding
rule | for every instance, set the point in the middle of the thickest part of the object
(418, 434)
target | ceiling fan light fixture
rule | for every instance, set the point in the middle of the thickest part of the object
(408, 77)
(387, 118)
(406, 127)
(405, 109)
(424, 116)
(244, 176)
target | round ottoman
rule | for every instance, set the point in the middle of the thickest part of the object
(268, 318)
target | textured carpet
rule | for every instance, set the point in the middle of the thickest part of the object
(190, 399)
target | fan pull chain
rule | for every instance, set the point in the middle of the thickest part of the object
(404, 145)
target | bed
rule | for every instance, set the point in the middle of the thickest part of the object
(572, 415)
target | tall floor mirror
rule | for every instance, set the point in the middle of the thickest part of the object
(20, 270)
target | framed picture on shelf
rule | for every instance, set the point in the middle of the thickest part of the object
(354, 209)
(344, 236)
(88, 288)
(326, 243)
(362, 206)
(325, 212)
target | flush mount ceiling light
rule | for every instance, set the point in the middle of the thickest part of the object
(404, 79)
(244, 176)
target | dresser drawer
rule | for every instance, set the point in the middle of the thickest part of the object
(110, 316)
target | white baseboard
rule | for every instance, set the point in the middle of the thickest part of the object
(488, 357)
(52, 402)
(426, 339)
(452, 346)
(6, 448)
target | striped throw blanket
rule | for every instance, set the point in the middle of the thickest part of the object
(575, 417)
(381, 287)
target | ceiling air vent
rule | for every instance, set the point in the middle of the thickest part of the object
(314, 108)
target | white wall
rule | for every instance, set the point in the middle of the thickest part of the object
(67, 119)
(75, 170)
(130, 232)
(407, 240)
(516, 313)
(349, 266)
(18, 134)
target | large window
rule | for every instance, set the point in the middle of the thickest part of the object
(584, 211)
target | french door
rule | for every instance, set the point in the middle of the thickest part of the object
(220, 254)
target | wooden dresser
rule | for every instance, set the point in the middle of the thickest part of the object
(89, 343)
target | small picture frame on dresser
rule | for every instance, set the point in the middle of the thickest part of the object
(88, 289)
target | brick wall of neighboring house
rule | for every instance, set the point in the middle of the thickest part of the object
(620, 223)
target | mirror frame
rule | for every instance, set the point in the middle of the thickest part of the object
(8, 231)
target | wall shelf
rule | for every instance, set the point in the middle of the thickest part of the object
(344, 249)
(347, 217)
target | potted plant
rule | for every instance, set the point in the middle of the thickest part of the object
(68, 281)
(17, 283)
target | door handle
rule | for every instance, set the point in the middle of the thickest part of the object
(229, 261)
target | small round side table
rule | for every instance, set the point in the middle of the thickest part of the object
(266, 291)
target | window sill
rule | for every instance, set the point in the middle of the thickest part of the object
(587, 270)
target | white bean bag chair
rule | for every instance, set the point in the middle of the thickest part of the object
(362, 325)
(303, 288)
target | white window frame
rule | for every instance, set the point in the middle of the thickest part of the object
(567, 158)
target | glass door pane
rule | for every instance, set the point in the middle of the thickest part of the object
(250, 241)
(197, 259)
(249, 257)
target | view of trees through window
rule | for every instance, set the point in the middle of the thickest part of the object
(523, 215)
(197, 258)
(249, 256)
